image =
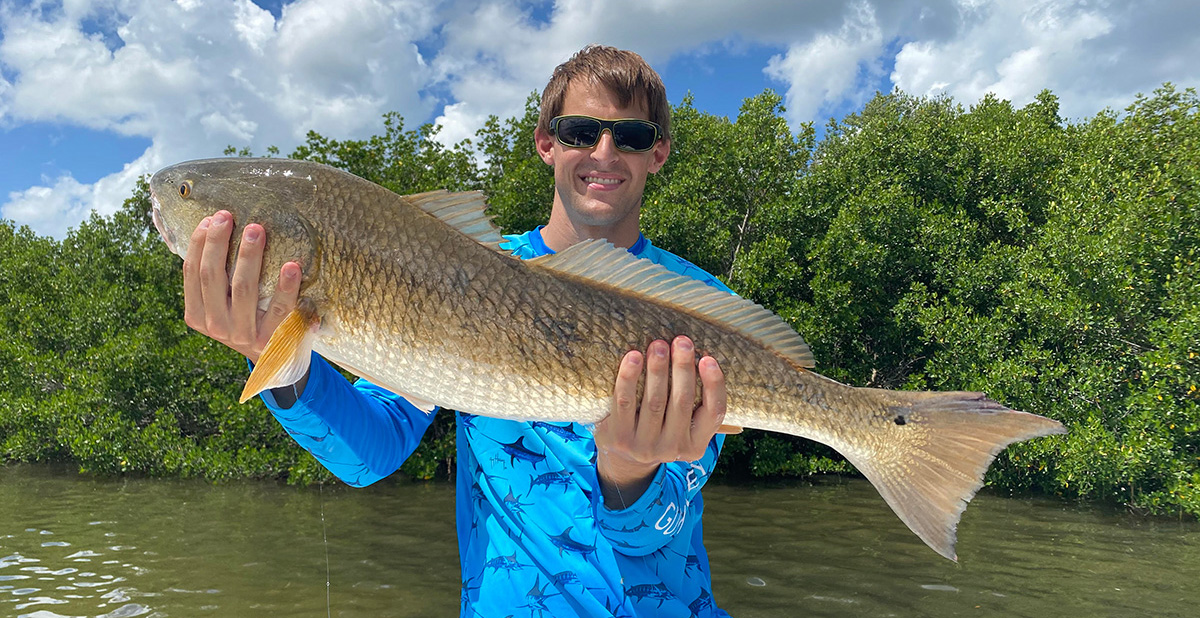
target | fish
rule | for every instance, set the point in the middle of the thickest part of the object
(414, 294)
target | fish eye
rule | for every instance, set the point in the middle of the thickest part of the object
(185, 189)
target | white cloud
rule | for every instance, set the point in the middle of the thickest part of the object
(254, 26)
(1091, 55)
(825, 69)
(459, 121)
(64, 74)
(48, 209)
(194, 76)
(6, 89)
(197, 76)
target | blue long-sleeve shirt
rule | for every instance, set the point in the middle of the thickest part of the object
(533, 531)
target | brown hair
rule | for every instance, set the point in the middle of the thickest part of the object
(623, 73)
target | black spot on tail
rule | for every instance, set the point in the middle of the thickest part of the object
(899, 420)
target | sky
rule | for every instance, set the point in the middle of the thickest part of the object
(94, 93)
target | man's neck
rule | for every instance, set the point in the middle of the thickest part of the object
(560, 233)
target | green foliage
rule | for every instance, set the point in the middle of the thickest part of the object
(519, 186)
(919, 245)
(98, 367)
(726, 199)
(1050, 266)
(404, 161)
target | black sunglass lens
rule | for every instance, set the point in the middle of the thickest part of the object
(578, 131)
(634, 135)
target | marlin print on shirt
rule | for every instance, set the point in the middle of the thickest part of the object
(517, 450)
(536, 599)
(514, 503)
(560, 477)
(564, 542)
(626, 529)
(653, 591)
(704, 601)
(566, 433)
(505, 563)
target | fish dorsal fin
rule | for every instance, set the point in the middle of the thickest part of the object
(463, 211)
(600, 261)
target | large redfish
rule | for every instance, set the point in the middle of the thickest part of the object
(412, 293)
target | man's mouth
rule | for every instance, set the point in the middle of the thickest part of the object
(600, 180)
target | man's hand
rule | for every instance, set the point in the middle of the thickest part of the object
(228, 311)
(667, 425)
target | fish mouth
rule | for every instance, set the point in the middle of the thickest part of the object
(165, 232)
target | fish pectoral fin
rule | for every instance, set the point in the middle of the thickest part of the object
(729, 429)
(286, 358)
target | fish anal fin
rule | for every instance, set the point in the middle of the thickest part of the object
(729, 429)
(464, 211)
(288, 353)
(600, 261)
(420, 404)
(929, 456)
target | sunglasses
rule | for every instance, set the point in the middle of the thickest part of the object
(629, 134)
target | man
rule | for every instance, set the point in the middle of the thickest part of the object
(556, 519)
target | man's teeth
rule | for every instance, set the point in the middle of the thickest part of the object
(601, 181)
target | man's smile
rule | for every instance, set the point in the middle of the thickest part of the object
(602, 182)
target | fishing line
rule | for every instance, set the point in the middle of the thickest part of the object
(325, 542)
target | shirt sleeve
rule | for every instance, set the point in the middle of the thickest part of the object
(359, 432)
(665, 510)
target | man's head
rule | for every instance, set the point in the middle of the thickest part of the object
(598, 188)
(623, 73)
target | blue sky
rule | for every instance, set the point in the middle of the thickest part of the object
(94, 93)
(720, 80)
(46, 150)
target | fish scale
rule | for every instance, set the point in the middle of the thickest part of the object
(412, 293)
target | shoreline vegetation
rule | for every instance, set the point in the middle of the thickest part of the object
(919, 244)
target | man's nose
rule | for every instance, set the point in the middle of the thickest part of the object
(605, 148)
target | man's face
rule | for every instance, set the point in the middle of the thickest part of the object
(599, 187)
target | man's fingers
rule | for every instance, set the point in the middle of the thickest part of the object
(713, 404)
(654, 398)
(244, 288)
(193, 295)
(214, 280)
(683, 394)
(287, 294)
(623, 419)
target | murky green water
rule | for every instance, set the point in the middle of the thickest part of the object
(77, 546)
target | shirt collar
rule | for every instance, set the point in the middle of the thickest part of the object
(539, 244)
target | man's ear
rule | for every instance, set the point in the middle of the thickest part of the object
(545, 145)
(661, 150)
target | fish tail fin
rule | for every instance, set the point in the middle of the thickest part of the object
(938, 447)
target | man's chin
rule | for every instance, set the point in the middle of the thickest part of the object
(600, 213)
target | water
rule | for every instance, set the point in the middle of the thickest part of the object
(837, 550)
(72, 545)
